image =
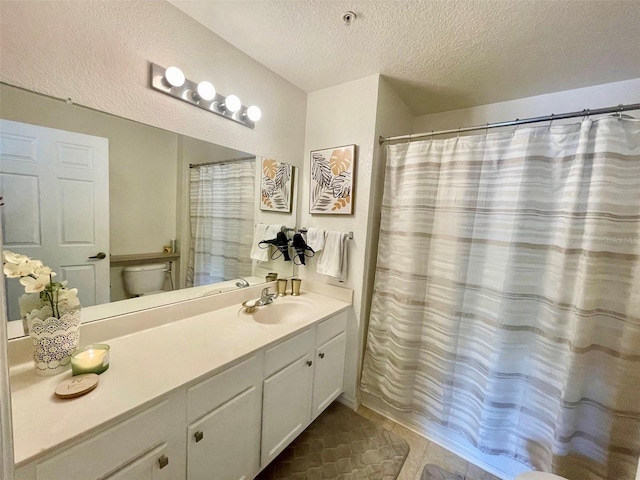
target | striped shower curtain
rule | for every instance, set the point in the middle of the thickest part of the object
(507, 294)
(222, 198)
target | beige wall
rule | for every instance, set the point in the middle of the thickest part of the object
(97, 53)
(598, 96)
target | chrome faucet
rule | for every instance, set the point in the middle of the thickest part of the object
(242, 283)
(266, 298)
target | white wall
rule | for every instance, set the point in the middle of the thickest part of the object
(97, 53)
(599, 96)
(352, 113)
(342, 115)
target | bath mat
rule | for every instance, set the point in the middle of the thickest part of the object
(341, 445)
(434, 472)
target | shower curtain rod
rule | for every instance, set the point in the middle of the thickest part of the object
(217, 162)
(548, 118)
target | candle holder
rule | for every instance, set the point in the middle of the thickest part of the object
(90, 359)
(271, 277)
(282, 287)
(295, 286)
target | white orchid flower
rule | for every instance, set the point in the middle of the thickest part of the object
(15, 258)
(37, 284)
(68, 299)
(42, 270)
(15, 270)
(37, 278)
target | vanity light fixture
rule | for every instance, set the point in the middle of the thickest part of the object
(232, 103)
(206, 91)
(174, 77)
(171, 81)
(254, 113)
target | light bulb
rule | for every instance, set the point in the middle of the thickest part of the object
(232, 103)
(174, 76)
(254, 113)
(206, 91)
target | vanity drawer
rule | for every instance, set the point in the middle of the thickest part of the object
(213, 392)
(331, 327)
(111, 449)
(278, 357)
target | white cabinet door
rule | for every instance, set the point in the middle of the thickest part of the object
(329, 373)
(55, 186)
(151, 466)
(286, 406)
(225, 444)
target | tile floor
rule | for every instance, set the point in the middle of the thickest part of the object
(423, 452)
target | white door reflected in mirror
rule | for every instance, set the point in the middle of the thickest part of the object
(55, 186)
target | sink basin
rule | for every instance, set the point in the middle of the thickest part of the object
(282, 310)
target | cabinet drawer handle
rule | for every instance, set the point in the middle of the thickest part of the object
(321, 355)
(309, 363)
(198, 436)
(163, 461)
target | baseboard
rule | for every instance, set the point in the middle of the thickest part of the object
(349, 402)
(502, 467)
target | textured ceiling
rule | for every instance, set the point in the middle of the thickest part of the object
(439, 55)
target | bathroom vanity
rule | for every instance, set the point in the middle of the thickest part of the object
(212, 394)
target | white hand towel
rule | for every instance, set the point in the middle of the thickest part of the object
(333, 261)
(259, 234)
(272, 231)
(315, 238)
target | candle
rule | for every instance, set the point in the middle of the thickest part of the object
(90, 359)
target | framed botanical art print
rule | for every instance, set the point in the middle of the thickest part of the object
(331, 189)
(276, 186)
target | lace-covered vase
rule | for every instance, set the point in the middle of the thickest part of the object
(54, 340)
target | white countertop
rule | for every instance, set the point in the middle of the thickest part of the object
(144, 366)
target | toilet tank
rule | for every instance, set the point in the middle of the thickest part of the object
(143, 279)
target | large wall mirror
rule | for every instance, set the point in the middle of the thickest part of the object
(93, 195)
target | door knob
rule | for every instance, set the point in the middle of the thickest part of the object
(98, 256)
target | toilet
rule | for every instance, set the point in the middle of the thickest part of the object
(144, 279)
(538, 476)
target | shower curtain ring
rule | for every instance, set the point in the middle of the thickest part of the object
(458, 132)
(621, 106)
(551, 120)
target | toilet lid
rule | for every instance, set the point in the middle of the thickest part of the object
(538, 476)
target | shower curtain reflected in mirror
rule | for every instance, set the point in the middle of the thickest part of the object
(222, 198)
(507, 295)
